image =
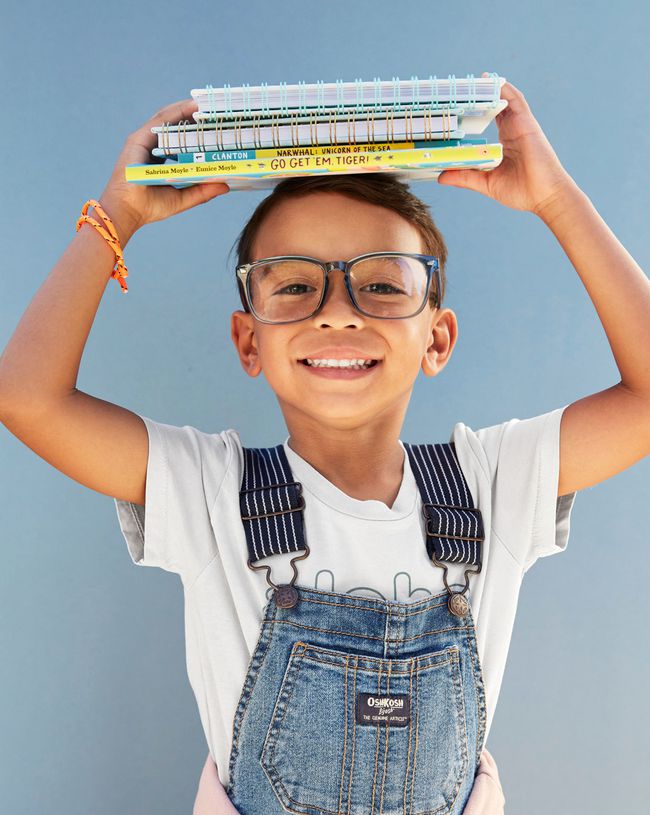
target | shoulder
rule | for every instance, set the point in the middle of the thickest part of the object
(514, 467)
(188, 461)
(186, 443)
(511, 443)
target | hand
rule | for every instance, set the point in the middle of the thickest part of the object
(211, 797)
(530, 174)
(487, 796)
(130, 205)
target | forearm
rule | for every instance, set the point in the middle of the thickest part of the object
(42, 359)
(616, 284)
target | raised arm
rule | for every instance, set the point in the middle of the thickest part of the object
(608, 431)
(95, 442)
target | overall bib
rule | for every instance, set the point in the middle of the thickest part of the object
(354, 704)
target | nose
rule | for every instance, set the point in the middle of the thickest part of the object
(337, 304)
(337, 293)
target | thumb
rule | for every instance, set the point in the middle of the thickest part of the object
(200, 193)
(466, 179)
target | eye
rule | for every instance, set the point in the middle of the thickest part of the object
(393, 289)
(293, 286)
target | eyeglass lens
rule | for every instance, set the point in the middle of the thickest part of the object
(383, 286)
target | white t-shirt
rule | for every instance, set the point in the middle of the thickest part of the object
(191, 525)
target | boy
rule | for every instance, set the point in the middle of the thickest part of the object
(344, 434)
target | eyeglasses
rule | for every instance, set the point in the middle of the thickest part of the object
(384, 285)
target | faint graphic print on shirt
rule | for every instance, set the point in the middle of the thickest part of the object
(402, 587)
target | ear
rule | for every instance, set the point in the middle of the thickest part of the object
(242, 332)
(441, 339)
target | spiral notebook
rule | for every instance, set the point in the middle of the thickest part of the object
(252, 137)
(358, 94)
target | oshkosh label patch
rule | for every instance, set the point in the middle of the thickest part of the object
(390, 708)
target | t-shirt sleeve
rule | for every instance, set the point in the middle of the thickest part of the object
(521, 459)
(185, 470)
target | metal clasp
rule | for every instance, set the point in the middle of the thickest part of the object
(286, 595)
(457, 602)
(431, 534)
(281, 511)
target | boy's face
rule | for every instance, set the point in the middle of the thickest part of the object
(332, 226)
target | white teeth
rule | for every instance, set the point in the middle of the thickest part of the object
(355, 364)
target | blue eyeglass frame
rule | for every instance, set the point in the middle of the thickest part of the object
(431, 263)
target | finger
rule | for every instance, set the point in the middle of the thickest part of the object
(466, 179)
(200, 193)
(487, 756)
(170, 114)
(174, 112)
(516, 100)
(482, 799)
(489, 766)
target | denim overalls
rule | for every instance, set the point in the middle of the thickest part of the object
(354, 704)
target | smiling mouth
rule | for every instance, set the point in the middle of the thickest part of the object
(337, 367)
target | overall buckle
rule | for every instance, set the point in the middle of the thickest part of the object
(457, 602)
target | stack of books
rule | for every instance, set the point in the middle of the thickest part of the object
(252, 137)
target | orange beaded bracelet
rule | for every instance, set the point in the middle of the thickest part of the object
(110, 235)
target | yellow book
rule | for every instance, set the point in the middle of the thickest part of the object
(416, 164)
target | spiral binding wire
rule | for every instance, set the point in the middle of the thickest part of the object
(246, 101)
(359, 89)
(302, 97)
(264, 93)
(261, 95)
(471, 91)
(415, 96)
(212, 107)
(320, 89)
(340, 100)
(397, 94)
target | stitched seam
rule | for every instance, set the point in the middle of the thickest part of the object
(239, 716)
(407, 606)
(478, 460)
(365, 636)
(223, 480)
(354, 734)
(495, 535)
(138, 525)
(297, 657)
(172, 563)
(387, 729)
(203, 570)
(417, 720)
(345, 734)
(408, 749)
(480, 684)
(427, 659)
(374, 777)
(459, 695)
(539, 482)
(419, 669)
(210, 513)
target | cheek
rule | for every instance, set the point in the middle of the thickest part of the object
(276, 361)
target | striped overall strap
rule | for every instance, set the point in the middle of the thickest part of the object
(271, 504)
(454, 526)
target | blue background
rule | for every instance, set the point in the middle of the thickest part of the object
(96, 712)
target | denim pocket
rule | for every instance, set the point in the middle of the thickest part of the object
(325, 753)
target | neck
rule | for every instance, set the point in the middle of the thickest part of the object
(361, 462)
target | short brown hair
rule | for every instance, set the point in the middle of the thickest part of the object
(375, 188)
